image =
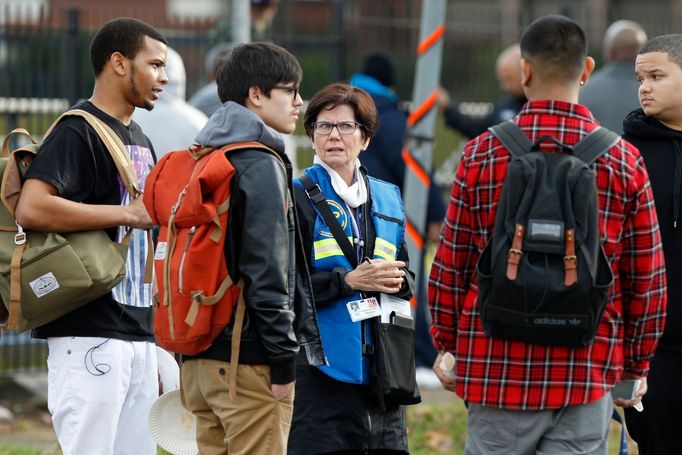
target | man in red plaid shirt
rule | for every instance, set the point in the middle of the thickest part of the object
(525, 397)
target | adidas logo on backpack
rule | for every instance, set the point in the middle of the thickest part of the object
(543, 276)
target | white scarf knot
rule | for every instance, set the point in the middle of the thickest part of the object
(354, 195)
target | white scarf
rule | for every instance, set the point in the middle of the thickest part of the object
(354, 195)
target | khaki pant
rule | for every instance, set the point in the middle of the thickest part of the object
(255, 423)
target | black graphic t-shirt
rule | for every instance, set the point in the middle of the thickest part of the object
(76, 162)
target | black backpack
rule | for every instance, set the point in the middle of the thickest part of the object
(543, 277)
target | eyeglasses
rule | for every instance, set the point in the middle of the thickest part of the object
(344, 128)
(292, 90)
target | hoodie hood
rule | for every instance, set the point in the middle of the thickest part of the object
(640, 127)
(233, 123)
(373, 86)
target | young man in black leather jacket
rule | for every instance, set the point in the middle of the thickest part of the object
(258, 85)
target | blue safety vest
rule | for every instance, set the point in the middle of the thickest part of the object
(341, 337)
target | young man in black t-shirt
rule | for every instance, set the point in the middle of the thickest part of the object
(102, 360)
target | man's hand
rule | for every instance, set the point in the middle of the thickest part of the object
(641, 391)
(279, 391)
(433, 231)
(448, 383)
(443, 98)
(137, 214)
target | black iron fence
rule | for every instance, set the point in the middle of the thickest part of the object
(21, 353)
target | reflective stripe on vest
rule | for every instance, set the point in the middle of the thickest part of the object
(384, 249)
(327, 247)
(342, 338)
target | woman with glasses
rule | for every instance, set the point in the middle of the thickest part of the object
(353, 229)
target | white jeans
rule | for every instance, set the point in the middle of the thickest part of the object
(100, 391)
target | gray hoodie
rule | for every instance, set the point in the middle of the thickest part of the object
(232, 123)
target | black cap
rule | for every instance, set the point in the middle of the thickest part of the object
(380, 67)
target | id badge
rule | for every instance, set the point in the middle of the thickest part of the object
(359, 310)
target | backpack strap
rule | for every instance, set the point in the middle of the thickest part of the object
(236, 341)
(595, 144)
(512, 138)
(314, 193)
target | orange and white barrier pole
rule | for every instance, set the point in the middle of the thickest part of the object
(418, 151)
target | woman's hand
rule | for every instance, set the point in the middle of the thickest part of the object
(377, 276)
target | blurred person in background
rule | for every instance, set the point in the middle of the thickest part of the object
(335, 409)
(611, 92)
(206, 98)
(383, 160)
(174, 123)
(508, 69)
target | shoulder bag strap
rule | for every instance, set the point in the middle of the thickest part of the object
(113, 144)
(314, 193)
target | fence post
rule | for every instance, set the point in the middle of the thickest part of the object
(73, 56)
(241, 21)
(338, 39)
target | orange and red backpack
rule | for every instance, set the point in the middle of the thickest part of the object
(187, 194)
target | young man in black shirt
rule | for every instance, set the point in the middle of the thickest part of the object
(102, 360)
(656, 130)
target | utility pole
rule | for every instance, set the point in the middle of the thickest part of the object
(422, 122)
(241, 21)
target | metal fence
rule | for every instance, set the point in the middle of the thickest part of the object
(19, 353)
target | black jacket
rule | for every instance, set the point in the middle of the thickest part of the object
(330, 415)
(661, 148)
(280, 315)
(505, 108)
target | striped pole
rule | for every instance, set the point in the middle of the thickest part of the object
(421, 123)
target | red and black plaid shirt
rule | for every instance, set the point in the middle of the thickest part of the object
(518, 375)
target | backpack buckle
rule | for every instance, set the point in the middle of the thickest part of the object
(514, 251)
(315, 194)
(20, 236)
(513, 260)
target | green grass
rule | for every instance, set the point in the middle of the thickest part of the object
(15, 449)
(437, 429)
